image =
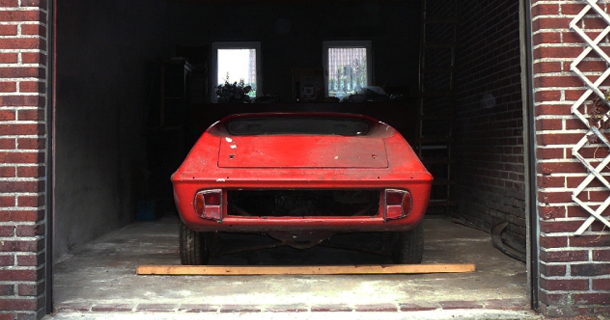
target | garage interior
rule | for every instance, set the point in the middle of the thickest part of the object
(133, 94)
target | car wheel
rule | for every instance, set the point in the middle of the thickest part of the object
(409, 248)
(193, 247)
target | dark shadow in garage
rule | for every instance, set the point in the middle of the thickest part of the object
(113, 151)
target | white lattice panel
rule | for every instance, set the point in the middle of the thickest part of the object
(579, 109)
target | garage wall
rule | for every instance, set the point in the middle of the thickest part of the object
(489, 113)
(291, 34)
(574, 270)
(102, 47)
(23, 158)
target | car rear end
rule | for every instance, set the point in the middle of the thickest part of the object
(301, 172)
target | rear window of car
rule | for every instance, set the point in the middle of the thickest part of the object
(298, 126)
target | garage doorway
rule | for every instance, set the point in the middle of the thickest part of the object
(133, 94)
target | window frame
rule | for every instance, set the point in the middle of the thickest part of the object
(256, 45)
(367, 44)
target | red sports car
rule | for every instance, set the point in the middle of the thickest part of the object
(301, 178)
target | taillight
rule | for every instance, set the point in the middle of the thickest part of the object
(208, 204)
(397, 203)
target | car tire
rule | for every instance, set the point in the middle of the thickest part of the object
(409, 248)
(193, 247)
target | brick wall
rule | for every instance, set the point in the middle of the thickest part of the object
(489, 117)
(574, 270)
(22, 157)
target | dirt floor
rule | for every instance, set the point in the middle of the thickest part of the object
(100, 277)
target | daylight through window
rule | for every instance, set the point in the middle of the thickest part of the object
(235, 65)
(237, 62)
(348, 67)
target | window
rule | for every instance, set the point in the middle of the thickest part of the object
(349, 65)
(234, 62)
(298, 125)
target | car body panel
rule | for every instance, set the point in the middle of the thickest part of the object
(381, 159)
(302, 152)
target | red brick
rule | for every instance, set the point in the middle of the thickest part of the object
(549, 124)
(34, 3)
(571, 8)
(592, 298)
(601, 255)
(558, 52)
(33, 29)
(552, 23)
(8, 30)
(22, 72)
(32, 86)
(18, 304)
(31, 115)
(27, 101)
(554, 138)
(561, 110)
(561, 167)
(22, 43)
(556, 285)
(573, 94)
(7, 201)
(7, 115)
(594, 195)
(22, 16)
(9, 3)
(22, 129)
(553, 270)
(30, 260)
(555, 197)
(553, 242)
(8, 87)
(564, 256)
(544, 67)
(558, 81)
(590, 241)
(7, 231)
(18, 275)
(31, 172)
(20, 246)
(30, 230)
(29, 143)
(7, 290)
(573, 182)
(9, 57)
(548, 96)
(551, 182)
(601, 284)
(549, 226)
(550, 153)
(22, 215)
(573, 124)
(545, 9)
(7, 260)
(30, 289)
(7, 172)
(22, 157)
(553, 298)
(30, 201)
(8, 143)
(588, 66)
(33, 57)
(552, 212)
(590, 269)
(578, 212)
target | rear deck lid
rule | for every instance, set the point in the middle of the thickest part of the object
(296, 151)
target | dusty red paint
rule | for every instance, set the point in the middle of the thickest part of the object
(379, 160)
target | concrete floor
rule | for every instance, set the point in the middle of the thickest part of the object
(100, 277)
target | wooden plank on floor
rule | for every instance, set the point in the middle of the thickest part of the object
(303, 270)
